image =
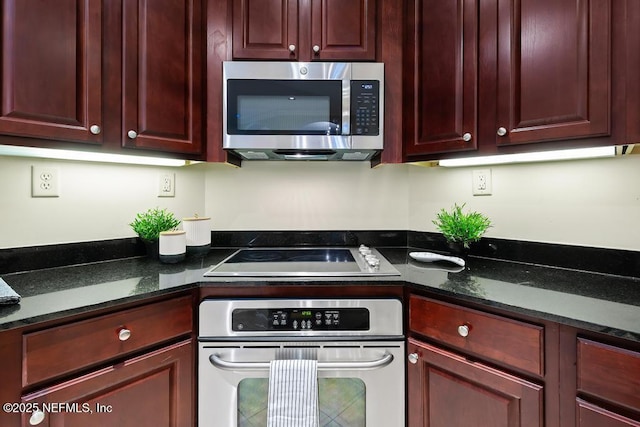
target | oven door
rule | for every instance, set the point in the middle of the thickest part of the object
(360, 384)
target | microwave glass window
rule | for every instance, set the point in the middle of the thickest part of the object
(341, 402)
(285, 113)
(284, 107)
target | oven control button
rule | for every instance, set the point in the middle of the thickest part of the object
(295, 324)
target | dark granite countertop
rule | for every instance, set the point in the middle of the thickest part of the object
(593, 301)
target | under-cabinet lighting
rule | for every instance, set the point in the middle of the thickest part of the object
(542, 156)
(50, 153)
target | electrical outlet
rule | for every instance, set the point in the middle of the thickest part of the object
(167, 185)
(45, 181)
(481, 182)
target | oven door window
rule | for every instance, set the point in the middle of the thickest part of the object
(284, 107)
(341, 402)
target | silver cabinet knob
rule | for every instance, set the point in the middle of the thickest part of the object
(502, 131)
(466, 137)
(463, 330)
(292, 48)
(124, 334)
(95, 129)
(36, 417)
(132, 134)
(413, 358)
(316, 48)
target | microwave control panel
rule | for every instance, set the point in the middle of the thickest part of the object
(300, 319)
(365, 107)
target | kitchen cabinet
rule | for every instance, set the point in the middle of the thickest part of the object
(305, 30)
(133, 367)
(111, 74)
(608, 377)
(154, 389)
(494, 76)
(456, 387)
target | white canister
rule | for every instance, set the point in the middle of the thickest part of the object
(173, 246)
(198, 233)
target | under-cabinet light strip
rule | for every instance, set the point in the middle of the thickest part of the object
(542, 156)
(50, 153)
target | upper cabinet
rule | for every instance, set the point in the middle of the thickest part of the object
(51, 69)
(489, 75)
(304, 30)
(119, 74)
(162, 75)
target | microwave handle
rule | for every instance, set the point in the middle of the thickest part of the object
(218, 362)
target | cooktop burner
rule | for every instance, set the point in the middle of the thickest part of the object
(276, 262)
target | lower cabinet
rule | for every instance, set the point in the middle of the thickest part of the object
(447, 390)
(154, 389)
(608, 385)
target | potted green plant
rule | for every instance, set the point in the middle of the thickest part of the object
(461, 229)
(148, 226)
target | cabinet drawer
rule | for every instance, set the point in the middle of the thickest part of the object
(500, 339)
(72, 347)
(609, 373)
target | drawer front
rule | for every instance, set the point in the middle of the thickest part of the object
(609, 373)
(59, 350)
(503, 340)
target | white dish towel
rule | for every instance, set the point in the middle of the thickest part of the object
(293, 393)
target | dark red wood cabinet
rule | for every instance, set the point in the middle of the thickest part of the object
(304, 30)
(608, 384)
(486, 75)
(471, 384)
(129, 367)
(117, 73)
(446, 390)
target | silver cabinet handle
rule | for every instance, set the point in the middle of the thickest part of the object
(132, 134)
(95, 129)
(292, 48)
(316, 48)
(466, 137)
(502, 131)
(218, 362)
(36, 418)
(463, 330)
(413, 358)
(124, 334)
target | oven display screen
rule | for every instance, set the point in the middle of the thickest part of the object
(297, 319)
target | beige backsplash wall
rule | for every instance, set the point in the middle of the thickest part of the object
(586, 202)
(593, 203)
(97, 201)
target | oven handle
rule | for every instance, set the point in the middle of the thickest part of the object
(322, 366)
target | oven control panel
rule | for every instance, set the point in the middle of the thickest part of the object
(300, 319)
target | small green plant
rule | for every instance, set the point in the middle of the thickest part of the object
(148, 225)
(460, 227)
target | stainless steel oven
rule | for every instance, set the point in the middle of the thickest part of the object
(358, 343)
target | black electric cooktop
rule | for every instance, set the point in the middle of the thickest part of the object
(277, 262)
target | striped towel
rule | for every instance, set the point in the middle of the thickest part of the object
(8, 295)
(293, 393)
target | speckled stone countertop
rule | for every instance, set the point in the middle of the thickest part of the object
(593, 301)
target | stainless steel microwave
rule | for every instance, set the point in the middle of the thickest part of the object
(303, 110)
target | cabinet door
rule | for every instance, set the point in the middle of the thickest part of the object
(442, 58)
(553, 70)
(162, 76)
(51, 69)
(265, 29)
(153, 390)
(589, 415)
(343, 30)
(447, 390)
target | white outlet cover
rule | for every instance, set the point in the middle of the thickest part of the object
(481, 182)
(167, 185)
(45, 181)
